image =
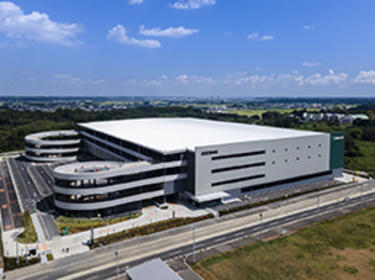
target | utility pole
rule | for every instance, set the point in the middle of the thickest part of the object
(261, 223)
(27, 249)
(117, 266)
(18, 257)
(194, 256)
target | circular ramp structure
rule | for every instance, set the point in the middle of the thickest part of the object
(52, 146)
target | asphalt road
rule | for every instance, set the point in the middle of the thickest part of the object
(254, 233)
(174, 243)
(26, 189)
(43, 182)
(10, 209)
(49, 225)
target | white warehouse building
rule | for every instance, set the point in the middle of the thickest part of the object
(143, 159)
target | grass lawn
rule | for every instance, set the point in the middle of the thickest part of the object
(29, 234)
(341, 248)
(366, 161)
(259, 112)
(148, 229)
(80, 224)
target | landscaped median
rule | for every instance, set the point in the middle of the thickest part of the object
(148, 229)
(29, 234)
(341, 248)
(76, 225)
(248, 206)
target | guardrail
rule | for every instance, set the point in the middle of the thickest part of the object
(12, 153)
(358, 173)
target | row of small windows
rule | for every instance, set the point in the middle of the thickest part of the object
(297, 159)
(121, 178)
(109, 196)
(297, 148)
(253, 153)
(51, 155)
(286, 181)
(237, 180)
(231, 168)
(239, 155)
(157, 157)
(206, 153)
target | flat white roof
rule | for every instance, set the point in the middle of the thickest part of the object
(154, 269)
(177, 134)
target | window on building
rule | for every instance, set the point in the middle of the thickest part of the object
(205, 153)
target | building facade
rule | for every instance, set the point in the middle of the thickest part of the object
(144, 159)
(52, 146)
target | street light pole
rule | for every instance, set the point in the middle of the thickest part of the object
(194, 256)
(261, 223)
(18, 257)
(117, 265)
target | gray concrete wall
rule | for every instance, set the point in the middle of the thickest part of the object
(284, 158)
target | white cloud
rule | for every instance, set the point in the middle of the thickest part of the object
(192, 4)
(195, 80)
(62, 76)
(174, 32)
(309, 27)
(135, 2)
(365, 77)
(36, 26)
(290, 80)
(310, 64)
(256, 36)
(118, 34)
(69, 79)
(266, 38)
(325, 80)
(252, 36)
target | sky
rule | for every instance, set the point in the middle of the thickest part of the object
(205, 48)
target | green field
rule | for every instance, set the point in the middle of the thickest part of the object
(29, 234)
(259, 112)
(76, 225)
(367, 159)
(342, 248)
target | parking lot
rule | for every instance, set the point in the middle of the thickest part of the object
(10, 210)
(34, 184)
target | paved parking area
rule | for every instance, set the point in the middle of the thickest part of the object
(10, 210)
(43, 178)
(26, 188)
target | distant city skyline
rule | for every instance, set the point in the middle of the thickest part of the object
(237, 48)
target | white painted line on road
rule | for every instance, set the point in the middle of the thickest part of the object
(92, 277)
(220, 239)
(222, 229)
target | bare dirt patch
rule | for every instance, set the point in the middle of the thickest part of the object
(355, 264)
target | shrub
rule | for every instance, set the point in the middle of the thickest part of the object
(148, 229)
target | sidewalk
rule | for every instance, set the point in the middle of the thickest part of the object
(76, 242)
